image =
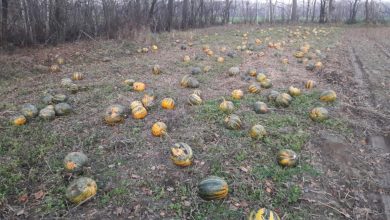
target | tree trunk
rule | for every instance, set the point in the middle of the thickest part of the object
(271, 14)
(367, 14)
(184, 15)
(4, 21)
(331, 10)
(307, 10)
(170, 15)
(314, 11)
(322, 11)
(294, 11)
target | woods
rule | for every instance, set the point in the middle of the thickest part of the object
(26, 22)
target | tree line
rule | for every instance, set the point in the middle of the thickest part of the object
(26, 22)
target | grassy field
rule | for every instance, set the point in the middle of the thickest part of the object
(134, 174)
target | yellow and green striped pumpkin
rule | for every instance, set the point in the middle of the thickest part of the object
(81, 189)
(309, 84)
(263, 214)
(226, 106)
(319, 114)
(233, 122)
(212, 188)
(254, 88)
(257, 132)
(328, 96)
(194, 99)
(181, 154)
(287, 158)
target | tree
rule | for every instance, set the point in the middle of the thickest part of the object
(4, 21)
(170, 15)
(322, 11)
(294, 16)
(353, 11)
(184, 15)
(366, 12)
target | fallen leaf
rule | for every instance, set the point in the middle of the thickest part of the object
(134, 176)
(244, 169)
(23, 198)
(39, 195)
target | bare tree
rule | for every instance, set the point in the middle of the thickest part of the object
(4, 21)
(353, 11)
(294, 11)
(322, 11)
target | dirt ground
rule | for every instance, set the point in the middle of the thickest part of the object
(341, 174)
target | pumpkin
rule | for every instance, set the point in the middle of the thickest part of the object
(145, 50)
(58, 98)
(266, 84)
(318, 65)
(186, 58)
(196, 70)
(156, 69)
(205, 48)
(328, 96)
(257, 132)
(73, 88)
(261, 77)
(154, 47)
(287, 158)
(220, 60)
(252, 72)
(189, 82)
(181, 154)
(213, 188)
(81, 189)
(60, 61)
(168, 103)
(55, 68)
(194, 99)
(206, 69)
(77, 76)
(263, 214)
(260, 107)
(139, 112)
(254, 88)
(62, 109)
(309, 84)
(233, 122)
(197, 92)
(29, 111)
(283, 100)
(47, 113)
(139, 86)
(258, 41)
(148, 101)
(114, 114)
(310, 66)
(129, 82)
(135, 104)
(223, 49)
(66, 82)
(237, 94)
(319, 114)
(284, 61)
(210, 53)
(75, 161)
(299, 54)
(233, 71)
(159, 129)
(293, 91)
(18, 120)
(226, 106)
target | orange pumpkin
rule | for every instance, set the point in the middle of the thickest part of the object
(159, 129)
(139, 86)
(168, 103)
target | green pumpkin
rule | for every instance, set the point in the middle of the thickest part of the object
(287, 158)
(213, 188)
(194, 99)
(29, 111)
(328, 96)
(263, 214)
(234, 71)
(81, 189)
(47, 113)
(62, 109)
(272, 96)
(233, 122)
(283, 100)
(226, 106)
(189, 82)
(58, 98)
(260, 107)
(319, 114)
(257, 132)
(266, 84)
(75, 161)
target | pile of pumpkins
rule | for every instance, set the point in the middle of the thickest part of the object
(56, 103)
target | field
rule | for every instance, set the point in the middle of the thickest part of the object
(340, 174)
